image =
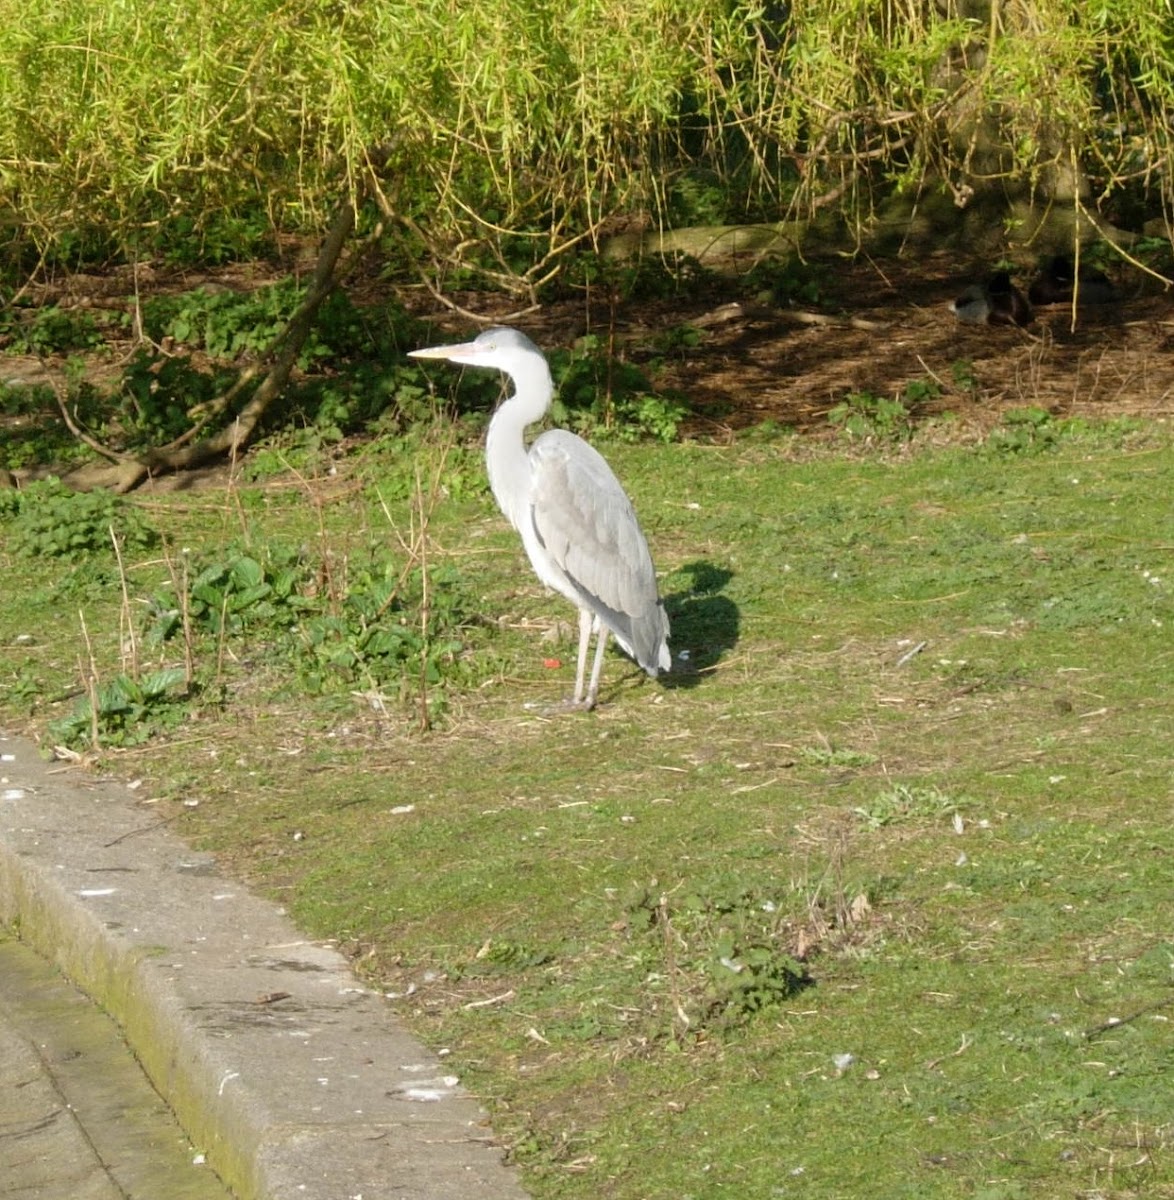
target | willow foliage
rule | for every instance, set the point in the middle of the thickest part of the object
(542, 119)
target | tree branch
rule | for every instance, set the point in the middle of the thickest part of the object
(179, 455)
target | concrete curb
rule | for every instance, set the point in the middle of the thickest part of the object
(291, 1077)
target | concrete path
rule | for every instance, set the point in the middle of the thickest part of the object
(282, 1070)
(78, 1118)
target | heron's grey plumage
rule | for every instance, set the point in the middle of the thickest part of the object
(575, 520)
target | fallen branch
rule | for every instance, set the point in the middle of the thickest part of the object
(124, 472)
(74, 428)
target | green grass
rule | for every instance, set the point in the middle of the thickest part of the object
(952, 865)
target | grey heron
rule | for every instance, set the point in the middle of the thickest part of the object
(575, 520)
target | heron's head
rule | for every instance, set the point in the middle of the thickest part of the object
(502, 348)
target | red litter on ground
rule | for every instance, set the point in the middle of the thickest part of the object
(552, 664)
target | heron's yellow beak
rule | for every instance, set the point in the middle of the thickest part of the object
(453, 353)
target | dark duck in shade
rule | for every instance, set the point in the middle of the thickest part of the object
(1058, 281)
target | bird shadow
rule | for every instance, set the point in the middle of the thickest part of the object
(705, 623)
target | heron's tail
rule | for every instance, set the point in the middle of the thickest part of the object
(650, 641)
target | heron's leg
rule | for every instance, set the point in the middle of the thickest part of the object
(585, 622)
(597, 666)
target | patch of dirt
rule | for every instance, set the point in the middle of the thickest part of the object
(884, 325)
(880, 325)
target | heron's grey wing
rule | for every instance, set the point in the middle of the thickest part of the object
(585, 522)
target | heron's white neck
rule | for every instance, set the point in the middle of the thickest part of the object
(505, 444)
